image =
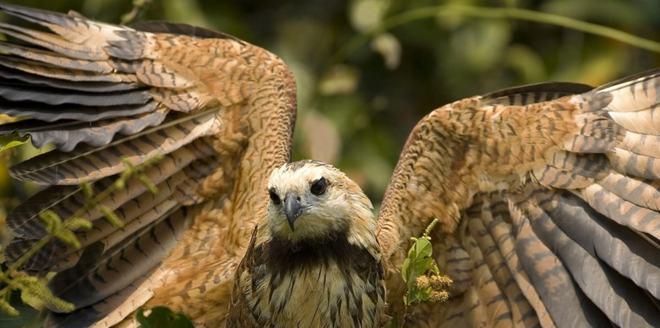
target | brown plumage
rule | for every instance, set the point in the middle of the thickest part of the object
(547, 204)
(220, 112)
(547, 195)
(314, 261)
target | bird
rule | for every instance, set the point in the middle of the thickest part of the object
(316, 262)
(546, 195)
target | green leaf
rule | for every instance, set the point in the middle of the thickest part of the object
(405, 269)
(35, 293)
(67, 236)
(111, 217)
(27, 316)
(6, 308)
(76, 223)
(388, 46)
(12, 144)
(366, 15)
(341, 79)
(162, 317)
(51, 220)
(88, 191)
(144, 179)
(423, 248)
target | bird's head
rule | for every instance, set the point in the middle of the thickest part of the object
(313, 201)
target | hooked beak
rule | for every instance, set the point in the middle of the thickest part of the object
(292, 208)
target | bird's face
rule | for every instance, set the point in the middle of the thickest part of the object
(311, 200)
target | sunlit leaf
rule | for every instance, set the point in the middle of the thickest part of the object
(12, 144)
(341, 79)
(388, 46)
(423, 248)
(365, 15)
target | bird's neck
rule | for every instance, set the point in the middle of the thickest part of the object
(314, 283)
(286, 254)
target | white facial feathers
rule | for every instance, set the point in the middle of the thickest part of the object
(341, 207)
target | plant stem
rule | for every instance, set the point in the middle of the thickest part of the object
(497, 13)
(138, 6)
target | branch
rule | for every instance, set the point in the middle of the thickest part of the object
(497, 13)
(138, 7)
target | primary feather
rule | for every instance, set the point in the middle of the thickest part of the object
(218, 112)
(550, 198)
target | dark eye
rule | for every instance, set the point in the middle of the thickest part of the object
(318, 187)
(274, 197)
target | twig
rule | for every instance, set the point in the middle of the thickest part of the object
(498, 13)
(91, 203)
(138, 6)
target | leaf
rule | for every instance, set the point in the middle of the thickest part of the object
(144, 179)
(340, 79)
(28, 317)
(423, 248)
(420, 266)
(366, 15)
(405, 269)
(388, 46)
(51, 220)
(162, 317)
(6, 308)
(12, 144)
(35, 293)
(111, 217)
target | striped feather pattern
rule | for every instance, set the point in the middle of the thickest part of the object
(66, 138)
(110, 308)
(92, 163)
(65, 200)
(88, 284)
(64, 113)
(105, 96)
(551, 205)
(136, 212)
(38, 80)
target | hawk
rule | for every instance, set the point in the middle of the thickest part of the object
(547, 195)
(315, 261)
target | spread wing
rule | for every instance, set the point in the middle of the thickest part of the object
(216, 111)
(548, 206)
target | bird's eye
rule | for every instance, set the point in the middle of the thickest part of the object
(274, 197)
(319, 186)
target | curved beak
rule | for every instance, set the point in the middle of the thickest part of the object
(292, 208)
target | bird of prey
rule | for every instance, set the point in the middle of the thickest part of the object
(315, 261)
(547, 195)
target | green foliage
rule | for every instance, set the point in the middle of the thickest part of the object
(12, 143)
(28, 318)
(421, 274)
(34, 290)
(64, 231)
(162, 317)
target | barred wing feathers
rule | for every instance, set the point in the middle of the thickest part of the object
(548, 201)
(217, 111)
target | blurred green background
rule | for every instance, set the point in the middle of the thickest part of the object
(356, 109)
(358, 104)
